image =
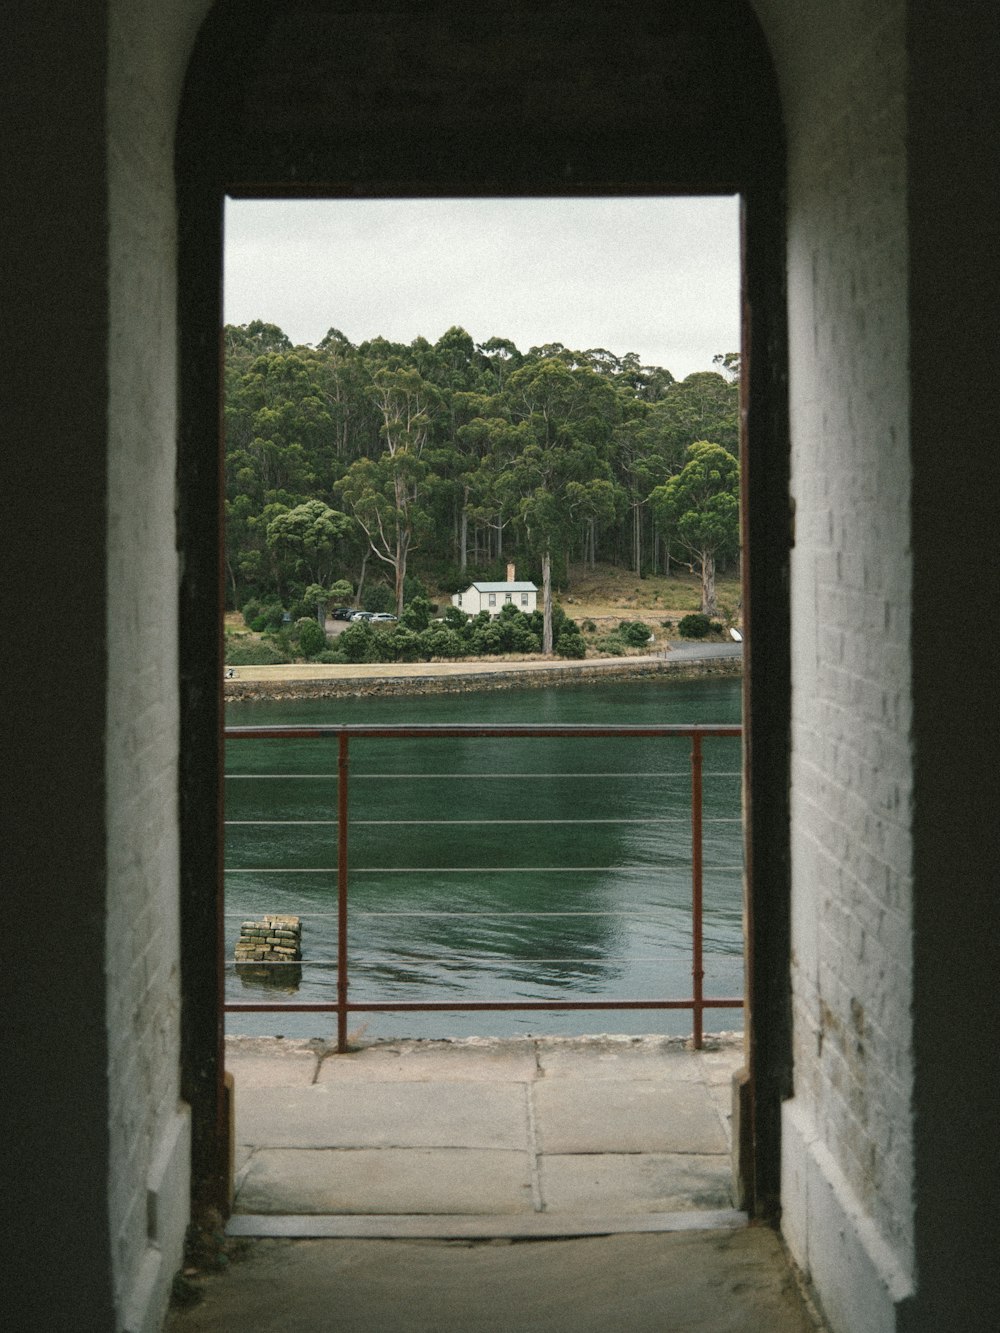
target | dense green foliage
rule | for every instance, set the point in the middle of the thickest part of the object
(417, 638)
(700, 505)
(698, 626)
(453, 458)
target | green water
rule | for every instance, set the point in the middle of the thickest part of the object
(489, 869)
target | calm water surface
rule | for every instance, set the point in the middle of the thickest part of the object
(514, 869)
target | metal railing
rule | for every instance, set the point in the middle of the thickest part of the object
(343, 735)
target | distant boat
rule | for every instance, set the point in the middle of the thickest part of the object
(735, 634)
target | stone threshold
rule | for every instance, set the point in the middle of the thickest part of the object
(534, 1226)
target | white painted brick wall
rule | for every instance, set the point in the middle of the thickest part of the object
(851, 847)
(148, 1195)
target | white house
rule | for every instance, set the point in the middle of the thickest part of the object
(493, 597)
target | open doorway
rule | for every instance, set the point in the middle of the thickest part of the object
(703, 160)
(484, 869)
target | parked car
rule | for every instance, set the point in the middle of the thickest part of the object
(341, 613)
(381, 618)
(362, 615)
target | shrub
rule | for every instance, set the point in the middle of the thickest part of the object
(560, 621)
(516, 633)
(272, 613)
(280, 639)
(356, 643)
(256, 654)
(694, 626)
(404, 644)
(312, 639)
(589, 627)
(251, 610)
(440, 641)
(634, 632)
(329, 655)
(456, 619)
(716, 626)
(417, 615)
(486, 640)
(570, 644)
(379, 597)
(611, 643)
(413, 588)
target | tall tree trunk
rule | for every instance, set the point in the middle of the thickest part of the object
(636, 538)
(463, 540)
(708, 604)
(400, 570)
(361, 579)
(546, 603)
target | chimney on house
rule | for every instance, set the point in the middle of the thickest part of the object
(510, 573)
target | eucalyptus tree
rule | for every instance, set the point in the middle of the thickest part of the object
(389, 494)
(490, 444)
(704, 405)
(646, 454)
(562, 475)
(701, 505)
(499, 358)
(246, 341)
(308, 539)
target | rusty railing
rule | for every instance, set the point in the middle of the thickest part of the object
(343, 735)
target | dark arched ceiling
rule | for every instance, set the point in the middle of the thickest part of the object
(500, 96)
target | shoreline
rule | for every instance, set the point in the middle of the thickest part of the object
(332, 681)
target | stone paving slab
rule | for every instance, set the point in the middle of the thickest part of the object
(271, 1062)
(601, 1116)
(719, 1066)
(626, 1183)
(391, 1115)
(619, 1058)
(471, 1061)
(386, 1180)
(477, 1226)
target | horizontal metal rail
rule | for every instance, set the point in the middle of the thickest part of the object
(343, 734)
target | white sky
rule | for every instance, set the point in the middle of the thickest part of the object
(659, 277)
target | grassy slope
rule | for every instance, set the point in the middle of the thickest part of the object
(610, 592)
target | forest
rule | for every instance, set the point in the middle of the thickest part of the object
(370, 473)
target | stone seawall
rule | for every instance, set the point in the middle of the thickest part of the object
(433, 682)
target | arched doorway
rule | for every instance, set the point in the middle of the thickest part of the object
(338, 99)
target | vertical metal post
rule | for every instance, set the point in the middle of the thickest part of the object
(697, 970)
(342, 895)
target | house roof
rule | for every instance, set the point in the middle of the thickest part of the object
(503, 587)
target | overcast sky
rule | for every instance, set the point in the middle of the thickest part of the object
(659, 277)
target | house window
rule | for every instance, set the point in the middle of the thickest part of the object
(508, 597)
(460, 599)
(524, 599)
(493, 599)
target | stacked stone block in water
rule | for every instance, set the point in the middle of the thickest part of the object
(273, 939)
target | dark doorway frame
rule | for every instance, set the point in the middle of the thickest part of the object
(306, 98)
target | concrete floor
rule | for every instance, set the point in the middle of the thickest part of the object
(697, 1282)
(480, 1138)
(395, 1188)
